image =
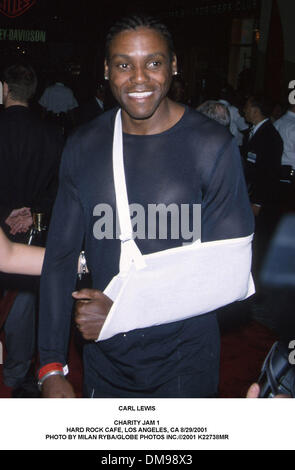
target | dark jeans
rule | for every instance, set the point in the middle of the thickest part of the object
(177, 360)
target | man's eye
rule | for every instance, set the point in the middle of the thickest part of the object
(122, 66)
(154, 64)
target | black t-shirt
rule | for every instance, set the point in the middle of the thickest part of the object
(194, 162)
(30, 153)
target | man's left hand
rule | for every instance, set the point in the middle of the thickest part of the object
(91, 310)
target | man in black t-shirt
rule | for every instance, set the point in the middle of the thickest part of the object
(172, 155)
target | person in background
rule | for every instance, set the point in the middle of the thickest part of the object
(215, 110)
(93, 107)
(262, 152)
(58, 104)
(286, 128)
(19, 258)
(238, 125)
(30, 152)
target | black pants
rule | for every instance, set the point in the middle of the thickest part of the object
(20, 333)
(287, 196)
(177, 360)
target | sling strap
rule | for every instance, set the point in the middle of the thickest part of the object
(129, 250)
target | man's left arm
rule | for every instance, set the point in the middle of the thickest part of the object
(226, 209)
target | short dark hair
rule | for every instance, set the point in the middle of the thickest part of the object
(135, 21)
(263, 103)
(22, 82)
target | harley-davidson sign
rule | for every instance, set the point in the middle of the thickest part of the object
(13, 8)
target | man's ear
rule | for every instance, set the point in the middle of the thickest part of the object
(5, 90)
(106, 70)
(174, 65)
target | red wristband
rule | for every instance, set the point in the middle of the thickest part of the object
(48, 368)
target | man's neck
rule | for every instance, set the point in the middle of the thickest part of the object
(165, 118)
(259, 120)
(9, 102)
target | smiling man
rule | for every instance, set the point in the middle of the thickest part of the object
(172, 155)
(140, 66)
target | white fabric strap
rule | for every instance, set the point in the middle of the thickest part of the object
(120, 183)
(129, 250)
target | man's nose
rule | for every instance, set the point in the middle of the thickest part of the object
(139, 74)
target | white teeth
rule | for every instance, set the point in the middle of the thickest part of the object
(143, 94)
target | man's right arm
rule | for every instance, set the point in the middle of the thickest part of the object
(58, 279)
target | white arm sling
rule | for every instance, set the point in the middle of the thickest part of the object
(173, 284)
